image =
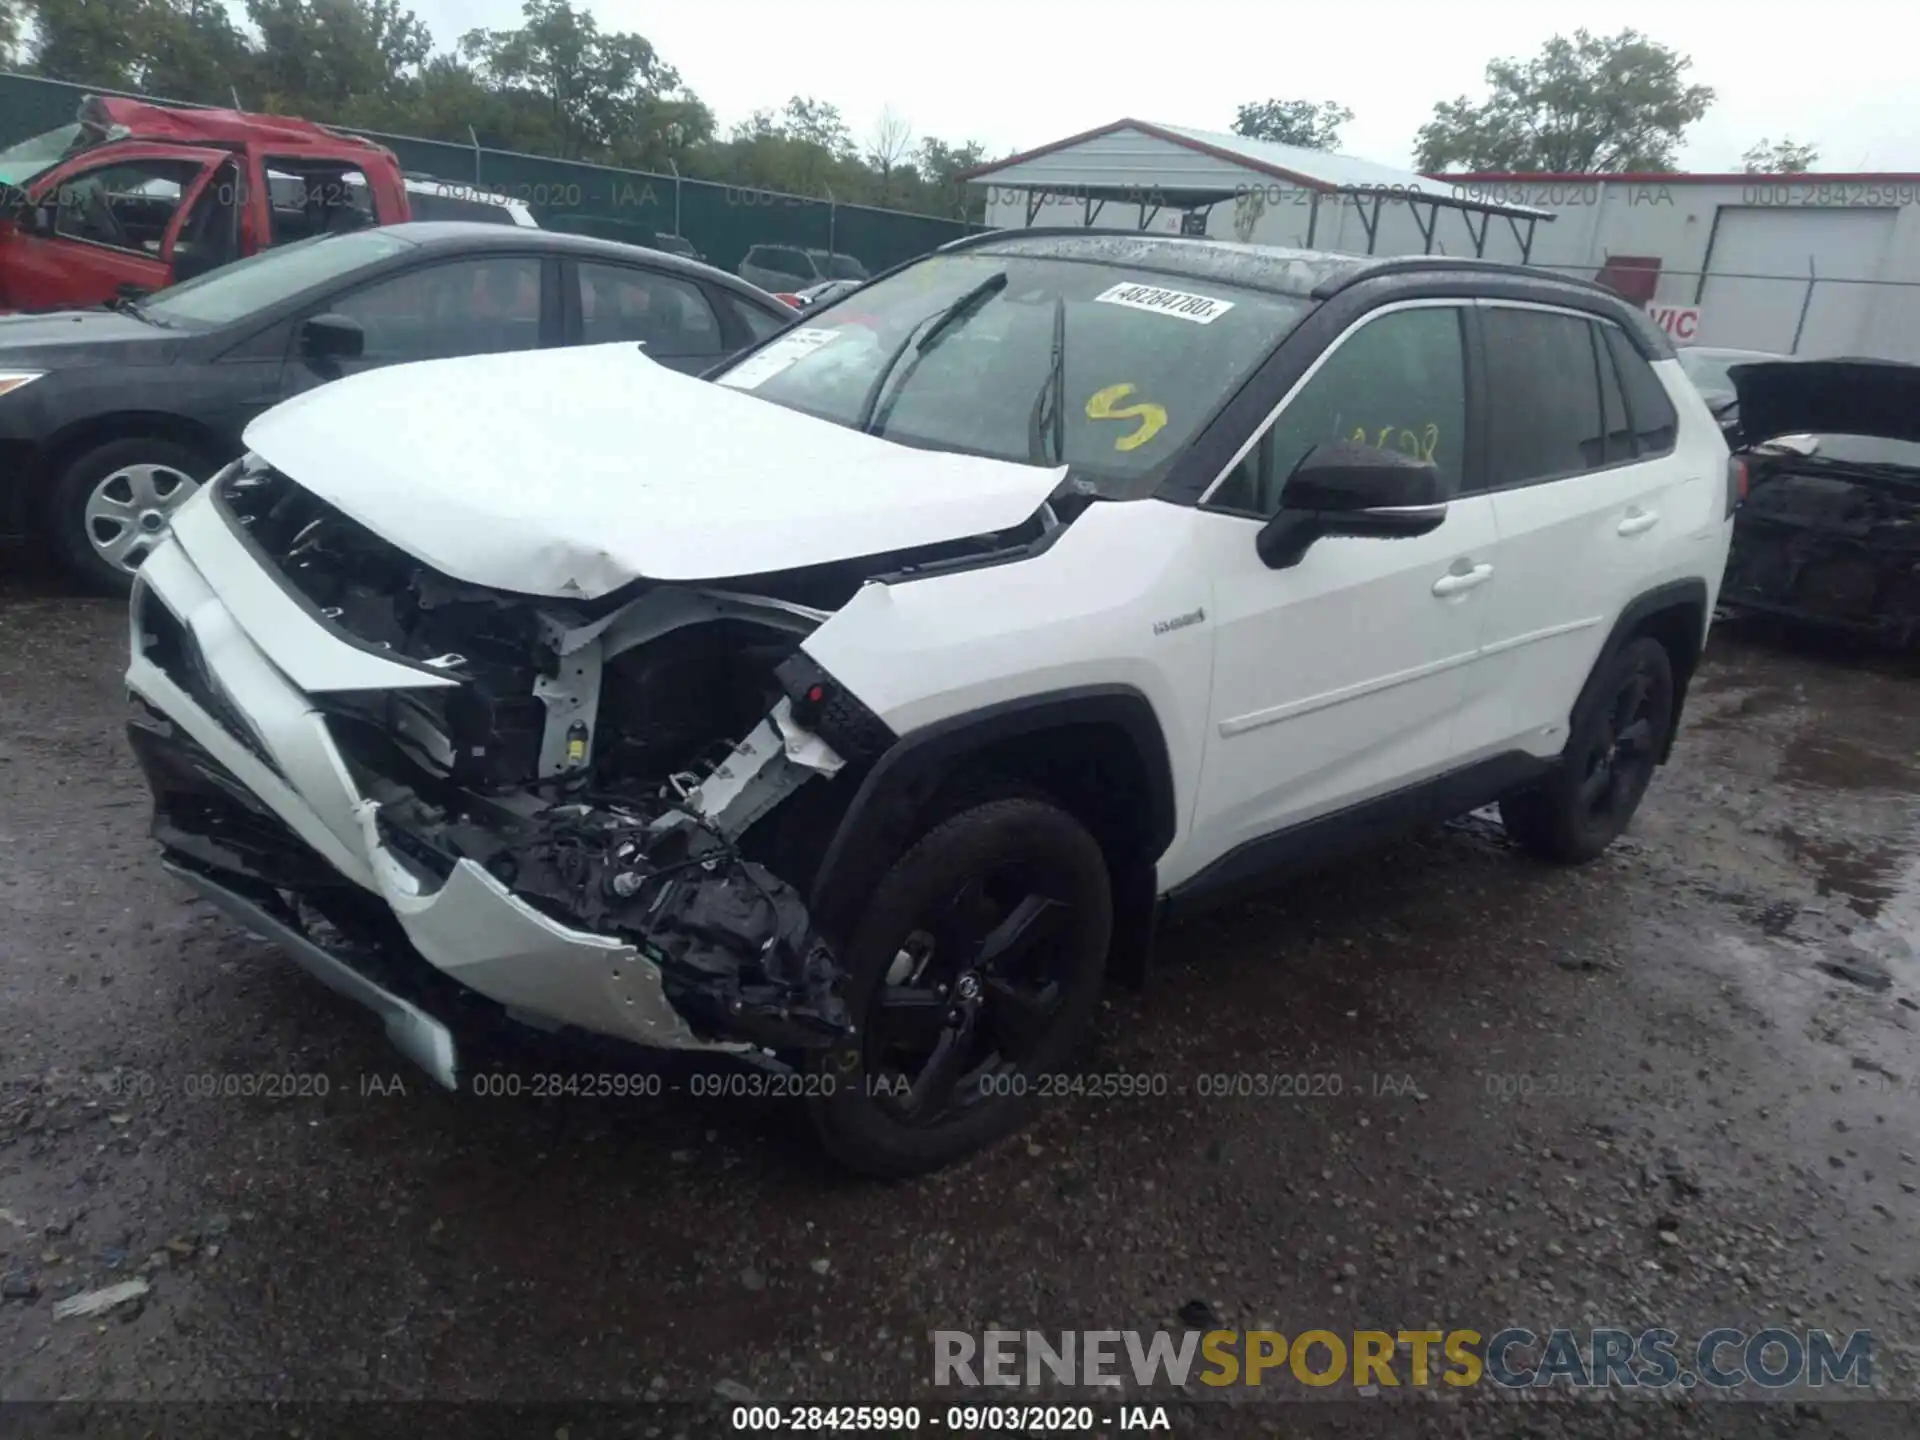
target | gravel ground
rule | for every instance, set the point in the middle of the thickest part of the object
(1677, 1087)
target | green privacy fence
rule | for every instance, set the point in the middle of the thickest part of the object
(720, 221)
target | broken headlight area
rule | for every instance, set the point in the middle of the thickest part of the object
(586, 758)
(736, 948)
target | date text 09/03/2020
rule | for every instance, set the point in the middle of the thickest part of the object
(957, 1419)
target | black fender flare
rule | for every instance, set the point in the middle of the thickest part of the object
(912, 768)
(1680, 595)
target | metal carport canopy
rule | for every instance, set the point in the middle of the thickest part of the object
(1153, 166)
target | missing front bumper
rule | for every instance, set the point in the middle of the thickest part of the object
(258, 790)
(461, 932)
(419, 1036)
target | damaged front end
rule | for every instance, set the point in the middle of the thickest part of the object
(556, 819)
(1830, 543)
(1829, 533)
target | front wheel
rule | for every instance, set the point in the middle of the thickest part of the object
(974, 971)
(112, 505)
(1617, 738)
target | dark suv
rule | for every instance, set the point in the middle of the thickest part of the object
(790, 268)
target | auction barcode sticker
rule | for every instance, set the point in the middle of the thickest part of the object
(790, 348)
(1201, 309)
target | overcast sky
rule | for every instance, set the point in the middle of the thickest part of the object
(1016, 75)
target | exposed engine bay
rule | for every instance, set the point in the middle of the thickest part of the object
(626, 766)
(1830, 542)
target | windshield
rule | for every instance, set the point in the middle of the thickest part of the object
(237, 290)
(1145, 360)
(20, 163)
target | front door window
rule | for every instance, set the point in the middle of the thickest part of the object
(125, 205)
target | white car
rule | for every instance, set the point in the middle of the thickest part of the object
(431, 199)
(857, 709)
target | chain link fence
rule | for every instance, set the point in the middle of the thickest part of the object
(1806, 313)
(720, 221)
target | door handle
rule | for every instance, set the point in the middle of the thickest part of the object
(1457, 582)
(1638, 521)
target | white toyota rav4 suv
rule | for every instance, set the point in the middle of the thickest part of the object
(856, 710)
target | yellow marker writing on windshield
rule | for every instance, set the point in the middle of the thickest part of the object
(1152, 418)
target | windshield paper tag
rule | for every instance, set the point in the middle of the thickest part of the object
(785, 351)
(1201, 309)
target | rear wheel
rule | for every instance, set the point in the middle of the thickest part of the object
(111, 506)
(1617, 739)
(975, 969)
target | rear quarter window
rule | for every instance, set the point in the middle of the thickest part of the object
(759, 324)
(1649, 410)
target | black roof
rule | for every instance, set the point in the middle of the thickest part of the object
(470, 235)
(1259, 267)
(1304, 274)
(1287, 271)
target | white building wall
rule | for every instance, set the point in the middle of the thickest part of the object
(1852, 233)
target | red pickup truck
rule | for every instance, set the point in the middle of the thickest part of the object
(138, 196)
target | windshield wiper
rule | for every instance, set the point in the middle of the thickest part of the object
(921, 339)
(1050, 424)
(127, 305)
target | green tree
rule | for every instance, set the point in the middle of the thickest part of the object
(889, 151)
(940, 166)
(92, 42)
(321, 56)
(593, 86)
(556, 85)
(804, 148)
(10, 18)
(1589, 104)
(196, 53)
(1784, 158)
(815, 122)
(1293, 122)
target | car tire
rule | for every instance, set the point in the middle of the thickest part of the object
(1031, 1006)
(1619, 731)
(137, 482)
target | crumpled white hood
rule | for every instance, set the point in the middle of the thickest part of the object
(572, 472)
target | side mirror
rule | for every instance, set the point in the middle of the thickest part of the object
(332, 337)
(1352, 490)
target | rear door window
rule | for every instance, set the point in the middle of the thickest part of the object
(309, 200)
(665, 313)
(458, 307)
(757, 322)
(1543, 396)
